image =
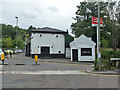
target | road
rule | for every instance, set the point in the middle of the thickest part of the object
(52, 74)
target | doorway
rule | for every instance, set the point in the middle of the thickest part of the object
(45, 52)
(75, 54)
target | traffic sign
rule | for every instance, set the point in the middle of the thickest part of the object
(95, 21)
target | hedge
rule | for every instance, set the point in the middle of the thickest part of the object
(107, 54)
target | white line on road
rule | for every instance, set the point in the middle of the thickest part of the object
(1, 67)
(70, 72)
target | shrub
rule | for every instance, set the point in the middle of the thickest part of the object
(116, 54)
(106, 54)
(105, 59)
(96, 65)
(105, 64)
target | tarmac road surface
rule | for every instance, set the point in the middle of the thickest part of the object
(60, 73)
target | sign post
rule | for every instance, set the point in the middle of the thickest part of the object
(98, 39)
(98, 22)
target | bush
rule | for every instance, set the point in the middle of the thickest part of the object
(105, 59)
(106, 54)
(105, 64)
(116, 54)
(96, 65)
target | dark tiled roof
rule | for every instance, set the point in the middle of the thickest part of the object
(48, 30)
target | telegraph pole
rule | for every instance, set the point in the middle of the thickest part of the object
(98, 37)
(16, 30)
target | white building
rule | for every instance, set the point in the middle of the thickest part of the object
(82, 49)
(47, 43)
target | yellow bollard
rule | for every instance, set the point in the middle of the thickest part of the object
(36, 58)
(2, 58)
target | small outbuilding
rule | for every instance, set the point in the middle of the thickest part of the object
(82, 49)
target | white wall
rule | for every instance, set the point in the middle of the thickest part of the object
(84, 58)
(68, 53)
(49, 40)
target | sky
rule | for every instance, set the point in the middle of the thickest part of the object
(39, 13)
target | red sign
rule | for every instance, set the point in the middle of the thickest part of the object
(95, 21)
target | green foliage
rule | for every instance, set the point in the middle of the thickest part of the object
(83, 25)
(105, 64)
(116, 54)
(106, 54)
(104, 43)
(112, 68)
(30, 28)
(20, 42)
(7, 42)
(105, 59)
(9, 36)
(96, 65)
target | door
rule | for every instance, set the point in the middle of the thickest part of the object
(75, 54)
(45, 51)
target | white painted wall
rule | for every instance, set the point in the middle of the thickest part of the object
(68, 53)
(47, 39)
(84, 58)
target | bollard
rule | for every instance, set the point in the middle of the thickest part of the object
(36, 58)
(2, 58)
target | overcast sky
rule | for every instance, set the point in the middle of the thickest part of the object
(39, 13)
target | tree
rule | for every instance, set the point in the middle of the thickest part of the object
(115, 24)
(87, 10)
(8, 31)
(104, 43)
(7, 42)
(30, 28)
(20, 43)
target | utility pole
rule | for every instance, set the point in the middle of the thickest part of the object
(16, 29)
(98, 37)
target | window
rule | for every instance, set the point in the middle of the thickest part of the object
(86, 51)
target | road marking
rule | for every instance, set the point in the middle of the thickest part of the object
(67, 72)
(1, 66)
(98, 74)
(52, 72)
